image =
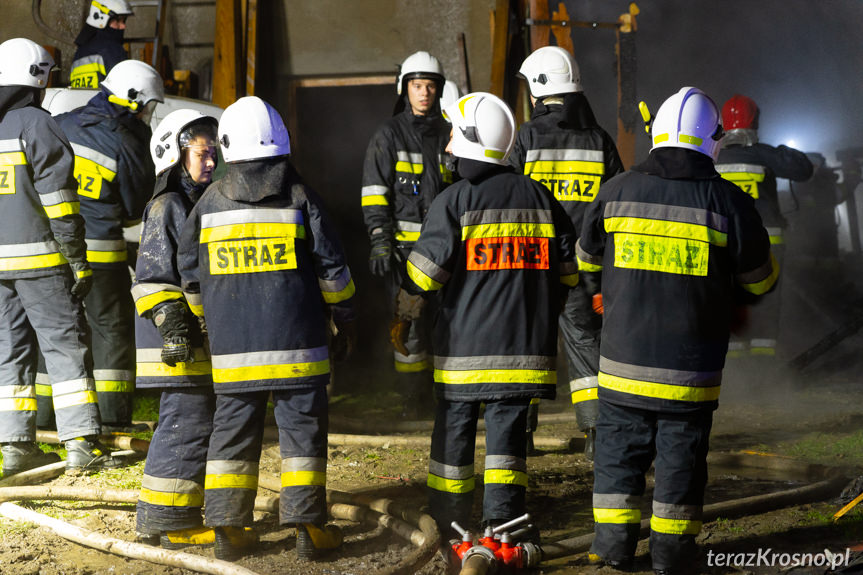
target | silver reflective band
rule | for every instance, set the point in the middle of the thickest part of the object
(263, 216)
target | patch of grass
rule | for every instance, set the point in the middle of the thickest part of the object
(145, 405)
(371, 456)
(827, 447)
(727, 525)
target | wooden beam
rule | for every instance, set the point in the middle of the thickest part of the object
(500, 37)
(539, 35)
(627, 111)
(251, 45)
(562, 34)
(227, 52)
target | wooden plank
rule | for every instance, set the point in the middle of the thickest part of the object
(340, 81)
(251, 45)
(626, 98)
(227, 50)
(562, 34)
(539, 35)
(462, 61)
(500, 35)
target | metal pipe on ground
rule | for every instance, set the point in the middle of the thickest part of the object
(123, 548)
(350, 425)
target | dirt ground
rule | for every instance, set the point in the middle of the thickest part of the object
(558, 497)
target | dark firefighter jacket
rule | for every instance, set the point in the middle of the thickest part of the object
(157, 281)
(671, 238)
(404, 170)
(564, 148)
(40, 227)
(500, 250)
(114, 172)
(97, 52)
(261, 261)
(755, 169)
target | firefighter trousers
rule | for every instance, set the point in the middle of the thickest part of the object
(110, 313)
(759, 335)
(231, 481)
(451, 481)
(628, 439)
(172, 489)
(42, 311)
(580, 328)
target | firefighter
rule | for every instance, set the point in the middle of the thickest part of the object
(261, 263)
(109, 136)
(169, 340)
(404, 169)
(100, 43)
(564, 148)
(499, 250)
(754, 167)
(669, 240)
(44, 274)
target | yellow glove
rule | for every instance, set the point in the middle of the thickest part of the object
(399, 329)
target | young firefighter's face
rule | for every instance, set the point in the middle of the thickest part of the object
(422, 95)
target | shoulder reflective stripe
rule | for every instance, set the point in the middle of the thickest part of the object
(455, 486)
(491, 362)
(531, 376)
(106, 165)
(760, 280)
(616, 516)
(752, 169)
(683, 214)
(11, 145)
(421, 279)
(478, 217)
(587, 262)
(659, 374)
(505, 462)
(505, 477)
(658, 390)
(252, 230)
(451, 471)
(429, 268)
(508, 230)
(564, 155)
(411, 163)
(675, 526)
(253, 216)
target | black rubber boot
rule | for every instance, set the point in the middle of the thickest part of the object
(313, 541)
(88, 454)
(20, 456)
(234, 542)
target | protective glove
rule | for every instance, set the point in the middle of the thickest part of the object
(343, 340)
(381, 254)
(408, 308)
(399, 329)
(83, 279)
(171, 320)
(598, 308)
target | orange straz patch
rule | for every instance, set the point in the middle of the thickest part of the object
(507, 254)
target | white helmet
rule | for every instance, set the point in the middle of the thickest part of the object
(167, 142)
(102, 11)
(133, 84)
(419, 65)
(23, 62)
(551, 70)
(483, 128)
(688, 119)
(251, 129)
(450, 94)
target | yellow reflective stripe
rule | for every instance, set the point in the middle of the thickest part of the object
(83, 164)
(680, 230)
(83, 273)
(446, 175)
(380, 200)
(43, 389)
(304, 478)
(588, 267)
(694, 140)
(451, 485)
(64, 209)
(403, 236)
(618, 516)
(31, 262)
(508, 230)
(90, 68)
(421, 279)
(115, 386)
(409, 167)
(570, 280)
(231, 481)
(565, 166)
(658, 390)
(505, 477)
(743, 176)
(148, 302)
(279, 371)
(13, 159)
(250, 230)
(18, 404)
(659, 138)
(106, 257)
(540, 376)
(584, 395)
(762, 287)
(417, 366)
(171, 499)
(675, 526)
(74, 399)
(776, 240)
(341, 295)
(159, 369)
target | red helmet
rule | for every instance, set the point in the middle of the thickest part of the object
(740, 113)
